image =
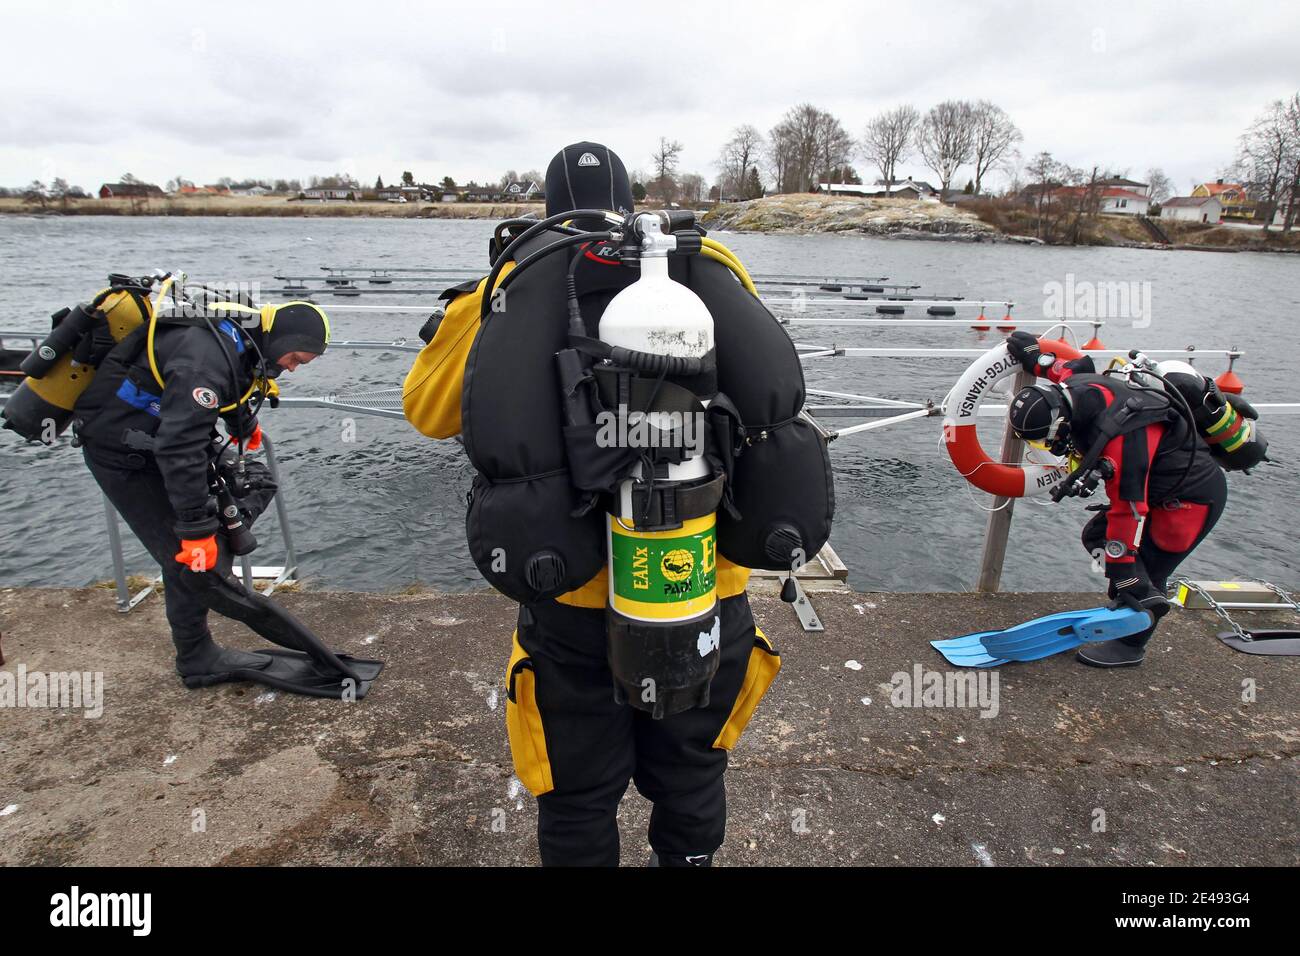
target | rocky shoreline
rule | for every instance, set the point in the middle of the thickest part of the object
(886, 218)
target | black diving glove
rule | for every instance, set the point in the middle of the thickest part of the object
(1023, 347)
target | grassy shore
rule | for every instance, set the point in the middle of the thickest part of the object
(1012, 219)
(267, 206)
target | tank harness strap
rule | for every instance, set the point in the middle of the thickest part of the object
(1120, 418)
(624, 386)
(666, 507)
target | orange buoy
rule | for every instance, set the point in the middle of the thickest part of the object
(1230, 381)
(1093, 345)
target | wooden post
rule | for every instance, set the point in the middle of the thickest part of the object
(998, 529)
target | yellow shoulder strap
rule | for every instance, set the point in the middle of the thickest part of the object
(269, 386)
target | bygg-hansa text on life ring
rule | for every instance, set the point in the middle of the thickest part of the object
(962, 441)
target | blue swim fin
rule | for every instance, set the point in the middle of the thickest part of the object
(1043, 636)
(968, 651)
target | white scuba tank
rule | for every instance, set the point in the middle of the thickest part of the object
(656, 314)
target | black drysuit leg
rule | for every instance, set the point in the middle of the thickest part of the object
(1159, 563)
(594, 745)
(141, 499)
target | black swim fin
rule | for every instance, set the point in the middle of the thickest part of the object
(297, 673)
(306, 667)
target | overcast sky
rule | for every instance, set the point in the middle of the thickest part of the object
(273, 89)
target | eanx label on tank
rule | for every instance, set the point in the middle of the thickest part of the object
(664, 575)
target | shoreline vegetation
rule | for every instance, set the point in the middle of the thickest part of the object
(977, 220)
(267, 206)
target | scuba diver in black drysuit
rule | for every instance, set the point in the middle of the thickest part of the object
(1141, 434)
(190, 496)
(494, 376)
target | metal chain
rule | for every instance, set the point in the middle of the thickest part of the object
(1214, 606)
(1286, 598)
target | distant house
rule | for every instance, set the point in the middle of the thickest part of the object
(1205, 209)
(326, 193)
(955, 197)
(448, 195)
(130, 191)
(521, 192)
(1236, 203)
(1130, 185)
(1110, 199)
(401, 193)
(898, 189)
(923, 189)
(480, 194)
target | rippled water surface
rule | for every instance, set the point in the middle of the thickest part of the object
(387, 510)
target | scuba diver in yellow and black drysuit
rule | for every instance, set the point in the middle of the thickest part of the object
(144, 385)
(636, 656)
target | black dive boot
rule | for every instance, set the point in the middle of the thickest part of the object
(1118, 653)
(202, 661)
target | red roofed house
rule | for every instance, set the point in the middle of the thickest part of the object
(1236, 204)
(129, 191)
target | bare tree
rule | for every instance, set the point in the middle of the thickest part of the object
(36, 194)
(1266, 153)
(806, 145)
(834, 147)
(946, 139)
(993, 139)
(888, 140)
(691, 187)
(664, 159)
(780, 155)
(737, 156)
(1293, 188)
(1161, 187)
(60, 191)
(1049, 193)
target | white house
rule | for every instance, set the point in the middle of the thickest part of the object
(1124, 202)
(898, 189)
(1110, 199)
(1205, 209)
(521, 192)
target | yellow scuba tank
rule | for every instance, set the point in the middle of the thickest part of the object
(663, 612)
(63, 365)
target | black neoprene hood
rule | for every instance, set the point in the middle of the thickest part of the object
(587, 176)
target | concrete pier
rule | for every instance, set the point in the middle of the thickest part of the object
(1169, 763)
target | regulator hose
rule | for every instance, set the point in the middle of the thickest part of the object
(549, 222)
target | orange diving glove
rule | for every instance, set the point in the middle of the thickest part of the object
(199, 554)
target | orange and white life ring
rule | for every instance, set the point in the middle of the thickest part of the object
(961, 412)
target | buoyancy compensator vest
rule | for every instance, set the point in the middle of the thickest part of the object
(1110, 405)
(561, 490)
(62, 366)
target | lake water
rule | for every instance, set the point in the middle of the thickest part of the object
(387, 510)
